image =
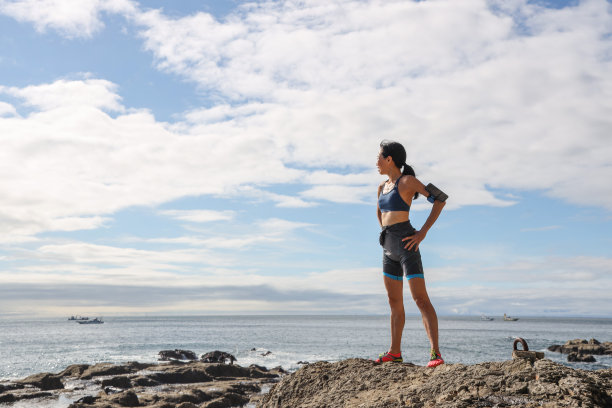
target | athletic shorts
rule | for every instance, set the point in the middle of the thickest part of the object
(398, 261)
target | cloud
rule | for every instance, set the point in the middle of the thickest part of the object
(95, 93)
(72, 18)
(199, 215)
(483, 94)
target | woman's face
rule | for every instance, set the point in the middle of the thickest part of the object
(383, 163)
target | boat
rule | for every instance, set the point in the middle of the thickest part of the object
(486, 318)
(94, 321)
(510, 319)
(78, 317)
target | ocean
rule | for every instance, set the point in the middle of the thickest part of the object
(49, 345)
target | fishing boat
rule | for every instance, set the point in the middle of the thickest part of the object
(510, 319)
(78, 317)
(94, 321)
(486, 318)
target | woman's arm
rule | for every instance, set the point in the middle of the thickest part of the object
(415, 186)
(378, 213)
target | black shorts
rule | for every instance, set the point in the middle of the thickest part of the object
(398, 261)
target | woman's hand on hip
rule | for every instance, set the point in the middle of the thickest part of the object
(414, 240)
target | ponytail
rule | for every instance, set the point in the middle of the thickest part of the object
(409, 171)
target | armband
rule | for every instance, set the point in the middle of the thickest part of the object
(435, 193)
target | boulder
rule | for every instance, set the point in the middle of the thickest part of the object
(177, 354)
(583, 347)
(217, 357)
(581, 358)
(44, 381)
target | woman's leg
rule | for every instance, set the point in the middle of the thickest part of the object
(396, 302)
(428, 313)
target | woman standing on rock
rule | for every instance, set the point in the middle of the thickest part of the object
(400, 242)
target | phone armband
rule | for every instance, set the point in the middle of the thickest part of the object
(435, 193)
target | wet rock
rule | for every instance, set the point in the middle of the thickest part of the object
(126, 399)
(7, 398)
(181, 375)
(104, 369)
(581, 358)
(584, 347)
(217, 357)
(267, 353)
(514, 383)
(177, 354)
(75, 370)
(118, 382)
(44, 381)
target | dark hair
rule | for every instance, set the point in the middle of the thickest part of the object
(398, 155)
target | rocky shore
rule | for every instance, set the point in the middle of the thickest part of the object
(581, 350)
(514, 383)
(214, 381)
(179, 383)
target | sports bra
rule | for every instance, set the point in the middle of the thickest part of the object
(392, 200)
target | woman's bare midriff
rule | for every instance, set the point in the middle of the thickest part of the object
(393, 217)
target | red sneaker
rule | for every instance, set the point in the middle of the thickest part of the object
(388, 357)
(435, 360)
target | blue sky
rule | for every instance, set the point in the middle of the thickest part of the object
(197, 157)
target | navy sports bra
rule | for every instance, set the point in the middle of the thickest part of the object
(392, 201)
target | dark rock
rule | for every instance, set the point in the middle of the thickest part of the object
(303, 362)
(217, 357)
(44, 381)
(126, 399)
(89, 399)
(181, 375)
(7, 398)
(177, 354)
(119, 382)
(267, 353)
(10, 387)
(144, 381)
(232, 371)
(227, 401)
(253, 349)
(74, 370)
(582, 358)
(104, 369)
(584, 347)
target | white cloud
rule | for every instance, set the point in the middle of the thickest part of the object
(199, 215)
(6, 109)
(72, 18)
(511, 97)
(95, 93)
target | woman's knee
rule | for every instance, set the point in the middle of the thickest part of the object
(422, 302)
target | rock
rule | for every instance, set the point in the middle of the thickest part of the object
(177, 354)
(118, 382)
(303, 362)
(267, 353)
(584, 347)
(182, 375)
(126, 399)
(515, 383)
(217, 357)
(44, 381)
(582, 358)
(75, 370)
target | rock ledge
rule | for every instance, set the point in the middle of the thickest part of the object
(515, 383)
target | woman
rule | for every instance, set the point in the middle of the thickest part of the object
(400, 241)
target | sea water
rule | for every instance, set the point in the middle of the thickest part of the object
(49, 345)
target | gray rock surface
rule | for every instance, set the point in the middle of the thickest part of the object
(515, 383)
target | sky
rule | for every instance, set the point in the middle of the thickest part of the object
(218, 157)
